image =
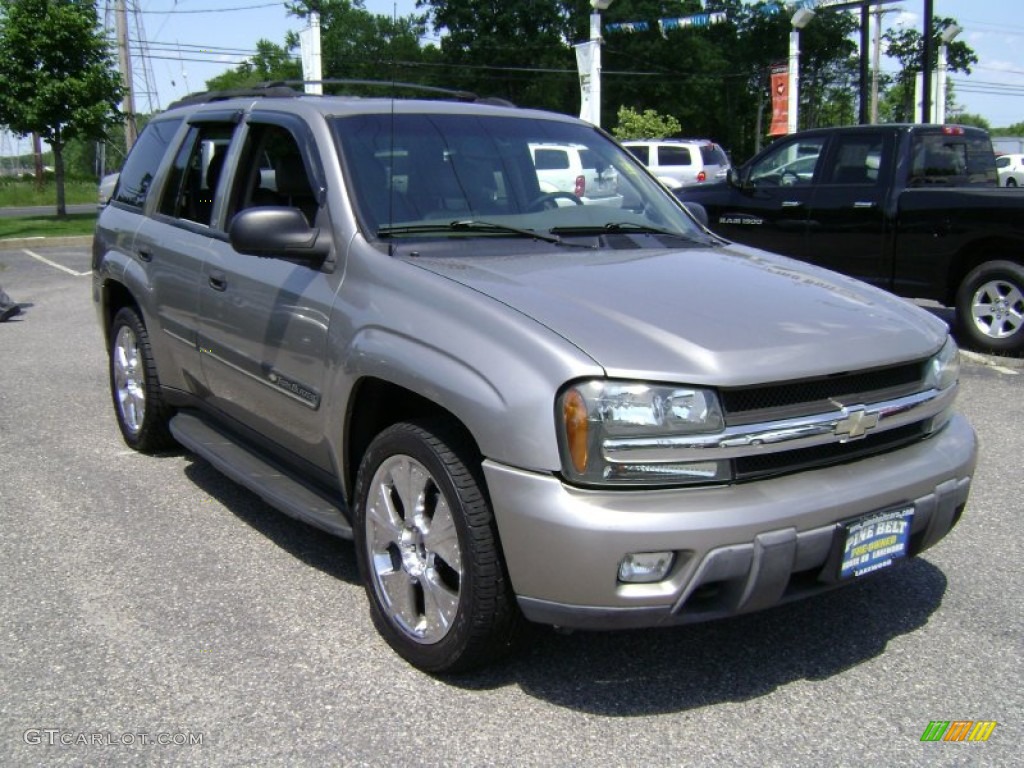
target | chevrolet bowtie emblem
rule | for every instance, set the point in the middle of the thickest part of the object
(856, 423)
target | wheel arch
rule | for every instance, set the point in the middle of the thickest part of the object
(977, 253)
(376, 404)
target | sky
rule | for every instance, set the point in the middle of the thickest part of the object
(191, 41)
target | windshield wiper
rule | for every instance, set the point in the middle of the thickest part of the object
(630, 227)
(474, 225)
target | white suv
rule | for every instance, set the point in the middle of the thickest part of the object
(576, 170)
(681, 162)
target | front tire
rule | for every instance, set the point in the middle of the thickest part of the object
(141, 413)
(428, 550)
(990, 306)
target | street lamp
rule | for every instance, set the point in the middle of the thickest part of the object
(595, 61)
(800, 20)
(945, 38)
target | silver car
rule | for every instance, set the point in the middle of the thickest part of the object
(372, 313)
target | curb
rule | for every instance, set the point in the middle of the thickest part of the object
(13, 243)
(1014, 364)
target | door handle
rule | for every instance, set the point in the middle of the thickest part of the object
(862, 204)
(791, 203)
(218, 281)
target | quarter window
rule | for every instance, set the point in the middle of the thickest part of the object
(141, 166)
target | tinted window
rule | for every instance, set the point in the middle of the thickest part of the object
(189, 191)
(952, 160)
(1002, 162)
(674, 156)
(641, 153)
(143, 162)
(551, 159)
(859, 160)
(712, 154)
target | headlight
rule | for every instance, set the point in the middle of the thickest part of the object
(943, 372)
(944, 369)
(593, 413)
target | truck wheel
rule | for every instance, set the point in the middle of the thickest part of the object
(134, 386)
(990, 306)
(428, 550)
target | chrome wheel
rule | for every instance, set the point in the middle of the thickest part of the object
(997, 309)
(413, 549)
(129, 379)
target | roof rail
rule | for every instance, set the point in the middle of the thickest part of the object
(283, 89)
(262, 90)
(467, 96)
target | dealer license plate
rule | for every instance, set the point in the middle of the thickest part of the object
(875, 542)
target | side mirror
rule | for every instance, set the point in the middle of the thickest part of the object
(698, 211)
(278, 231)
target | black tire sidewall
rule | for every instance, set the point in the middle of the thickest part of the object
(993, 270)
(468, 642)
(154, 434)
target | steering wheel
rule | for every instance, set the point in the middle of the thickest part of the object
(789, 178)
(549, 197)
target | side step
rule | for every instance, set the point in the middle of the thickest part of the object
(269, 482)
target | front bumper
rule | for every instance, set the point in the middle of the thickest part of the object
(737, 548)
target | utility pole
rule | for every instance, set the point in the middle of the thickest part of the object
(926, 64)
(125, 59)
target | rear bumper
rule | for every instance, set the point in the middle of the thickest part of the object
(737, 549)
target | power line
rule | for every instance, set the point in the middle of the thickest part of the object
(183, 11)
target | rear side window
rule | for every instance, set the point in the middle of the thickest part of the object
(674, 156)
(940, 159)
(143, 162)
(588, 159)
(642, 153)
(551, 160)
(712, 154)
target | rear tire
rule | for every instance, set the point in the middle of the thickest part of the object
(428, 550)
(990, 306)
(141, 413)
(1011, 182)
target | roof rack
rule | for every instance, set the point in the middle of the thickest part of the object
(262, 90)
(284, 89)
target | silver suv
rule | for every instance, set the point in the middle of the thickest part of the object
(681, 162)
(371, 313)
(570, 168)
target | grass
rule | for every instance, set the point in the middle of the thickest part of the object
(47, 226)
(18, 193)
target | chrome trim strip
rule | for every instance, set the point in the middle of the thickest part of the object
(189, 342)
(849, 423)
(265, 382)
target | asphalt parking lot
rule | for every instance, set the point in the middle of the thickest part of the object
(155, 613)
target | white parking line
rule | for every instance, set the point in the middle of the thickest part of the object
(54, 264)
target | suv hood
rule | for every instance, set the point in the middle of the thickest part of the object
(725, 316)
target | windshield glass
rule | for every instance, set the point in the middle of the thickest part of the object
(412, 175)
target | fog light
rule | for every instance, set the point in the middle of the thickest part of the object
(644, 567)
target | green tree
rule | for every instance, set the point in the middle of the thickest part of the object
(906, 46)
(968, 118)
(57, 77)
(649, 125)
(1017, 129)
(357, 44)
(271, 62)
(515, 49)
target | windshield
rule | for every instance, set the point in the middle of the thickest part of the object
(413, 175)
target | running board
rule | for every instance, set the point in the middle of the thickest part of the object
(269, 482)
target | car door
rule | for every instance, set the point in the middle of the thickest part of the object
(265, 320)
(175, 241)
(769, 205)
(846, 221)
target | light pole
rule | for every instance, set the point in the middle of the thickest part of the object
(800, 20)
(595, 60)
(945, 39)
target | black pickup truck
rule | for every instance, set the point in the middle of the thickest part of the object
(914, 209)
